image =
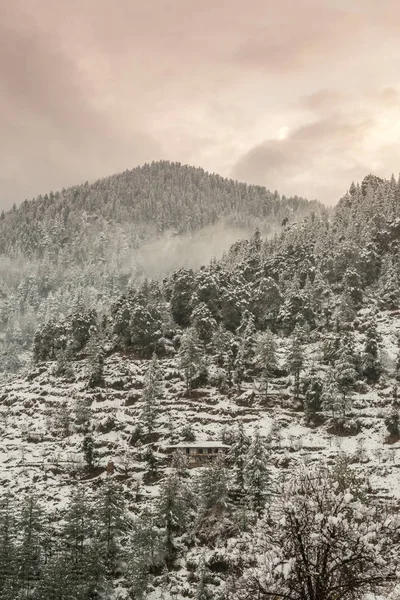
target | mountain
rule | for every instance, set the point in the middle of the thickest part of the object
(87, 244)
(287, 350)
(139, 204)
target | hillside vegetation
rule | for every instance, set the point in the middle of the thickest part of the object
(287, 350)
(87, 244)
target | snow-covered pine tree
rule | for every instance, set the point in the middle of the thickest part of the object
(147, 551)
(180, 464)
(221, 343)
(258, 476)
(78, 529)
(191, 356)
(96, 359)
(345, 372)
(213, 485)
(30, 551)
(266, 357)
(89, 451)
(151, 395)
(202, 591)
(370, 363)
(172, 511)
(237, 456)
(203, 322)
(111, 523)
(8, 550)
(331, 400)
(295, 358)
(247, 333)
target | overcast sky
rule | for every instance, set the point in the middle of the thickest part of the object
(302, 96)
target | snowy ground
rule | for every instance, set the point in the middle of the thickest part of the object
(36, 457)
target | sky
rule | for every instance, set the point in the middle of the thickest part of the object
(302, 96)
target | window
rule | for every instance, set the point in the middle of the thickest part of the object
(210, 451)
(187, 450)
(200, 451)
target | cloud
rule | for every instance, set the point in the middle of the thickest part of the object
(52, 132)
(91, 87)
(317, 160)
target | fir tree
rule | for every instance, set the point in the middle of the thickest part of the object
(8, 549)
(96, 361)
(247, 333)
(89, 451)
(191, 356)
(30, 555)
(202, 591)
(258, 477)
(147, 551)
(237, 456)
(172, 510)
(213, 485)
(370, 363)
(203, 322)
(345, 372)
(266, 358)
(331, 400)
(112, 522)
(152, 392)
(295, 360)
(78, 530)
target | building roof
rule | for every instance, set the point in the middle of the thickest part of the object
(207, 444)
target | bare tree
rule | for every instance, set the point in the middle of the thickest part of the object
(322, 543)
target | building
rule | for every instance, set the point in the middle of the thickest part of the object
(199, 453)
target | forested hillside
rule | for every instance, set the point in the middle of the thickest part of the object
(86, 244)
(317, 274)
(287, 350)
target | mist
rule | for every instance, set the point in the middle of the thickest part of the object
(161, 257)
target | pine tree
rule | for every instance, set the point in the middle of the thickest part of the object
(96, 359)
(172, 510)
(62, 420)
(112, 522)
(258, 477)
(8, 550)
(295, 359)
(182, 290)
(89, 451)
(82, 410)
(191, 356)
(214, 485)
(147, 551)
(202, 592)
(266, 358)
(57, 581)
(345, 372)
(247, 333)
(370, 363)
(204, 323)
(312, 389)
(180, 463)
(331, 400)
(79, 528)
(238, 455)
(388, 285)
(30, 555)
(151, 394)
(221, 342)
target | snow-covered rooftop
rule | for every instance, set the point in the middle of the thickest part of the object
(199, 445)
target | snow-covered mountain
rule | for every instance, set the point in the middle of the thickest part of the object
(287, 351)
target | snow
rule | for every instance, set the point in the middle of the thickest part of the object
(51, 463)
